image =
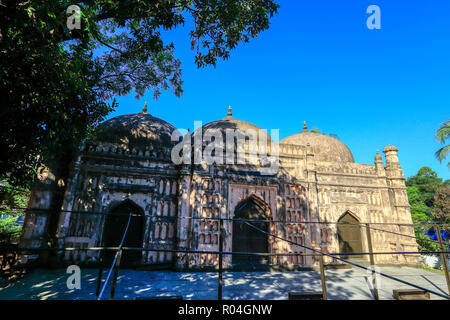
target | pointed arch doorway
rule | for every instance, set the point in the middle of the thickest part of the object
(247, 239)
(349, 235)
(114, 228)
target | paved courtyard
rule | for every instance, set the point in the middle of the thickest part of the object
(341, 284)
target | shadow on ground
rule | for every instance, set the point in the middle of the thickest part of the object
(345, 284)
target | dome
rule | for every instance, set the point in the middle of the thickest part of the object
(229, 123)
(139, 130)
(249, 146)
(232, 123)
(324, 147)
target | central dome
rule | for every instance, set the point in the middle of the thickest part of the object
(139, 130)
(324, 147)
(234, 142)
(229, 122)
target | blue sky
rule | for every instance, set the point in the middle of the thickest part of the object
(320, 63)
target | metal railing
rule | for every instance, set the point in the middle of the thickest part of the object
(115, 266)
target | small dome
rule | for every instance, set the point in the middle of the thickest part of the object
(324, 147)
(139, 130)
(390, 148)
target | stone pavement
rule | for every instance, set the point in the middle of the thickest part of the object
(342, 284)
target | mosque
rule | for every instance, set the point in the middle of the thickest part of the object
(308, 190)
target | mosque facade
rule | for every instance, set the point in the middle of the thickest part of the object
(307, 189)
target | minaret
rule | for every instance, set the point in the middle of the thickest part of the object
(393, 168)
(386, 201)
(396, 184)
(399, 202)
(379, 165)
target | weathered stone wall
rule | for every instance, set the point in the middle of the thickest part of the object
(304, 201)
(103, 180)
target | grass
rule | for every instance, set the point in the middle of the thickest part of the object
(432, 270)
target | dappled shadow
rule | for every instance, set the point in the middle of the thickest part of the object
(342, 284)
(51, 284)
(44, 284)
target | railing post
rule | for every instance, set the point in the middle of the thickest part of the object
(100, 272)
(116, 273)
(219, 289)
(372, 262)
(444, 257)
(322, 278)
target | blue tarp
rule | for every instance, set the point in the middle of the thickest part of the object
(433, 234)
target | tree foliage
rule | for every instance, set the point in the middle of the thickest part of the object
(57, 83)
(427, 182)
(442, 134)
(441, 211)
(12, 200)
(429, 201)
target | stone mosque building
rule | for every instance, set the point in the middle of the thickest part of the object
(317, 197)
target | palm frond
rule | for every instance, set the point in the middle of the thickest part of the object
(442, 153)
(443, 132)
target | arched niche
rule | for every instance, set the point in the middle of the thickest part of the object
(349, 235)
(248, 239)
(115, 225)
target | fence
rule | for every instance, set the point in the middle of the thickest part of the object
(113, 269)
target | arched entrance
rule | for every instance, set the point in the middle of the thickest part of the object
(115, 225)
(349, 235)
(248, 239)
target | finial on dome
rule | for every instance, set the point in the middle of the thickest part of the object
(229, 111)
(144, 110)
(304, 126)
